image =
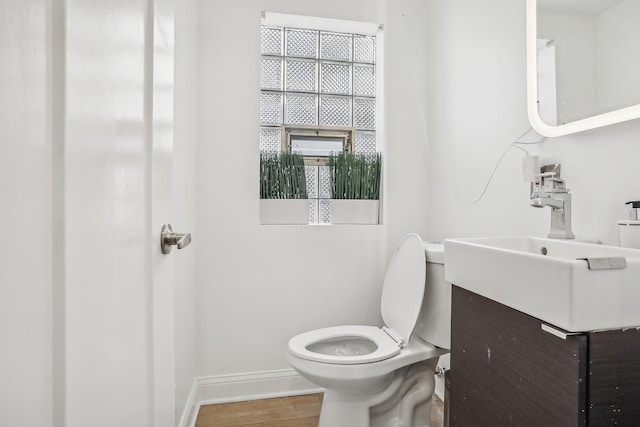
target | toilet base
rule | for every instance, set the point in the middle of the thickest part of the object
(405, 402)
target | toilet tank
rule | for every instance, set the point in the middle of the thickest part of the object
(434, 321)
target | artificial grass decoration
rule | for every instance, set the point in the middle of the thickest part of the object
(355, 176)
(282, 176)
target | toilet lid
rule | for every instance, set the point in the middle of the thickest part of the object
(403, 287)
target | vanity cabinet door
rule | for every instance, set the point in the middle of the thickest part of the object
(614, 378)
(507, 371)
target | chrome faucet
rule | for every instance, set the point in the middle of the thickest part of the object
(551, 191)
(541, 202)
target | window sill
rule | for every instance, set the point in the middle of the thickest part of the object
(296, 212)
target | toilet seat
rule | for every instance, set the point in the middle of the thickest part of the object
(385, 346)
(402, 295)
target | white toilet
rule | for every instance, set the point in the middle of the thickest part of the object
(384, 376)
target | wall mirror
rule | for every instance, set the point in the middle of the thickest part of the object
(583, 64)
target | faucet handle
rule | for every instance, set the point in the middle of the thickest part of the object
(552, 170)
(550, 181)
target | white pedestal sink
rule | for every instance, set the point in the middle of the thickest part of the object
(550, 279)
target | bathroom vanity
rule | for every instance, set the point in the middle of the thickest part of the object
(506, 370)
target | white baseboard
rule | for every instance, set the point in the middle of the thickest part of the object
(240, 387)
(190, 410)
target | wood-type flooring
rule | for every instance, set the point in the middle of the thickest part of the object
(295, 411)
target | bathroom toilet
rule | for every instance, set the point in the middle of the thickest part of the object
(384, 376)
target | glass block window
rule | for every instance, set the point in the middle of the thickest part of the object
(315, 78)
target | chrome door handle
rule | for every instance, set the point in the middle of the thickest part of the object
(168, 239)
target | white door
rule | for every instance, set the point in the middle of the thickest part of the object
(117, 189)
(87, 297)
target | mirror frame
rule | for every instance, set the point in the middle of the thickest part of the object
(616, 116)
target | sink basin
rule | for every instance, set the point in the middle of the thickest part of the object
(550, 279)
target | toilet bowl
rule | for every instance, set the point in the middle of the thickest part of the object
(384, 376)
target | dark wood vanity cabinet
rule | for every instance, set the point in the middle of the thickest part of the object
(507, 371)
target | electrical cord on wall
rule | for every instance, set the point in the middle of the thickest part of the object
(516, 143)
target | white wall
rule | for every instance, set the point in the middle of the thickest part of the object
(26, 284)
(260, 285)
(477, 107)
